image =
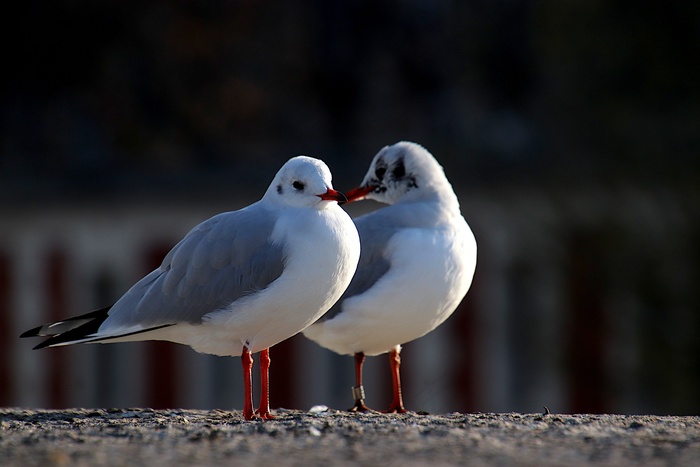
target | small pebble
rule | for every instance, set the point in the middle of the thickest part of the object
(318, 409)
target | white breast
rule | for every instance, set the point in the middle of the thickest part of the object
(431, 271)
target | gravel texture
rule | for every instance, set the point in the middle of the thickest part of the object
(111, 437)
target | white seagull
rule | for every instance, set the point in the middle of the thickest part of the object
(416, 264)
(239, 282)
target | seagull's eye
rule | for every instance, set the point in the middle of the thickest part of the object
(298, 185)
(380, 172)
(399, 171)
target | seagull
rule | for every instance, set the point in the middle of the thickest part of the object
(240, 282)
(417, 261)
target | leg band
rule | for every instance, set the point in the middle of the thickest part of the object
(358, 392)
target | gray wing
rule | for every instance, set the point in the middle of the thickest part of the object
(375, 229)
(219, 261)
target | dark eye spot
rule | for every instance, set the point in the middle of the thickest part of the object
(379, 173)
(279, 189)
(399, 171)
(298, 185)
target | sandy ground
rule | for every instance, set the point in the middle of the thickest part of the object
(114, 437)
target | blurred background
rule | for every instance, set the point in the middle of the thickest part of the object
(570, 131)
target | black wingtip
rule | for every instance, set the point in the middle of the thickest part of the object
(83, 325)
(73, 335)
(43, 345)
(85, 330)
(66, 337)
(31, 333)
(81, 336)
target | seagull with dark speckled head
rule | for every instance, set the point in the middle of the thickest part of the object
(417, 261)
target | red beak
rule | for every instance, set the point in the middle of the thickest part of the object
(360, 192)
(333, 195)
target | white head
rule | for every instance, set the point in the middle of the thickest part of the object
(303, 182)
(403, 172)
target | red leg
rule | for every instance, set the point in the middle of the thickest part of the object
(358, 391)
(264, 409)
(247, 361)
(395, 362)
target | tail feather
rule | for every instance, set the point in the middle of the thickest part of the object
(81, 329)
(71, 329)
(60, 327)
(87, 334)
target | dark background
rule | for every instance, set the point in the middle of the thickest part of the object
(194, 97)
(127, 101)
